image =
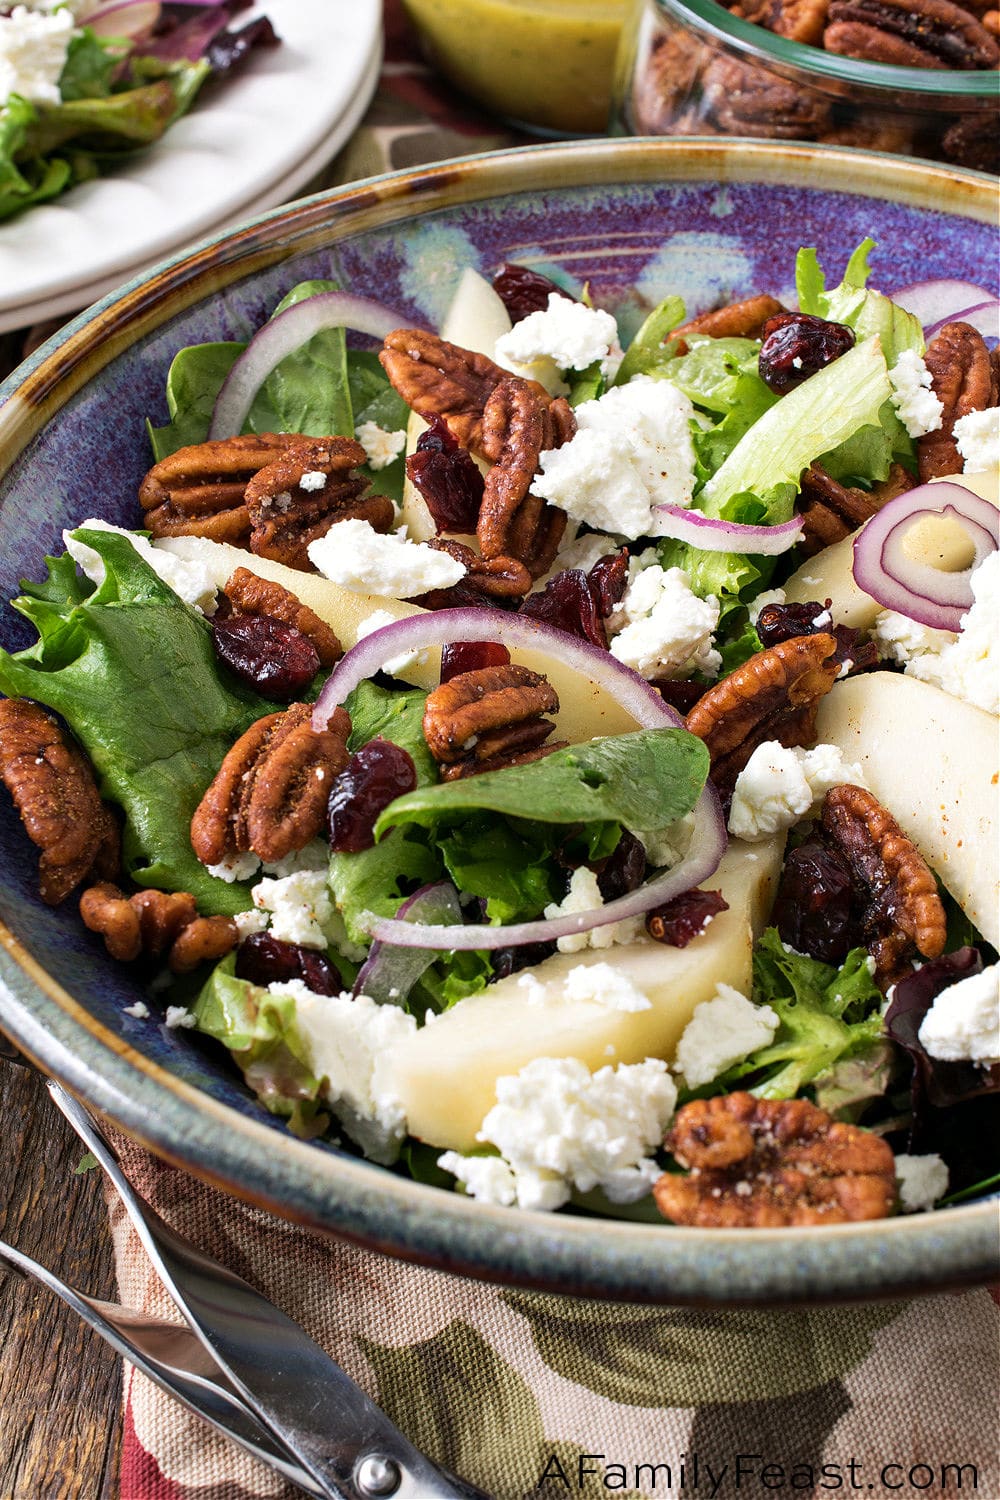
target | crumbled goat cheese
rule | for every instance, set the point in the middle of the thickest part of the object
(178, 1017)
(33, 52)
(312, 481)
(667, 629)
(632, 451)
(312, 856)
(560, 1127)
(140, 1010)
(921, 1181)
(769, 596)
(917, 406)
(778, 786)
(568, 333)
(235, 867)
(583, 895)
(580, 552)
(666, 846)
(722, 1031)
(249, 922)
(488, 1179)
(901, 639)
(298, 906)
(395, 664)
(605, 985)
(347, 1039)
(977, 435)
(965, 665)
(963, 1024)
(382, 447)
(355, 555)
(191, 581)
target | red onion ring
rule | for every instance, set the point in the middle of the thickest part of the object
(632, 692)
(983, 316)
(714, 535)
(281, 337)
(389, 972)
(926, 594)
(941, 300)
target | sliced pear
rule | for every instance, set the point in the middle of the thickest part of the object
(938, 542)
(931, 759)
(445, 1074)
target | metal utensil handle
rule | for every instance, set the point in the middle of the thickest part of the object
(326, 1421)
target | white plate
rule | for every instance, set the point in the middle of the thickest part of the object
(249, 143)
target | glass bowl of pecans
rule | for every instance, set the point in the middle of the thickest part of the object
(912, 77)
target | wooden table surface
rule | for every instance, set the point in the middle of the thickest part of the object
(60, 1385)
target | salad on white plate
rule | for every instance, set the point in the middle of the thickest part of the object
(563, 772)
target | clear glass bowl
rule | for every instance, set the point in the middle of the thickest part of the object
(689, 67)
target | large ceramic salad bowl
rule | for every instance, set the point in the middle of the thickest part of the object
(708, 220)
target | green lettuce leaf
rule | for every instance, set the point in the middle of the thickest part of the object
(869, 313)
(395, 715)
(89, 69)
(649, 349)
(132, 670)
(510, 868)
(24, 182)
(118, 122)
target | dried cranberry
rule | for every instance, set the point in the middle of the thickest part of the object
(684, 917)
(796, 345)
(471, 656)
(780, 622)
(679, 692)
(273, 658)
(507, 961)
(523, 291)
(814, 909)
(567, 603)
(607, 581)
(263, 959)
(447, 478)
(625, 868)
(373, 777)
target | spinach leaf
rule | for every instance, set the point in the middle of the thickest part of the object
(506, 867)
(308, 391)
(394, 715)
(193, 382)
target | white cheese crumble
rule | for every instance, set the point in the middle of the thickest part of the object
(722, 1031)
(917, 406)
(312, 481)
(966, 665)
(140, 1010)
(249, 922)
(366, 561)
(667, 846)
(559, 1127)
(664, 629)
(395, 664)
(347, 1039)
(921, 1181)
(191, 581)
(298, 905)
(583, 895)
(778, 786)
(977, 435)
(580, 552)
(235, 867)
(33, 52)
(488, 1179)
(568, 333)
(382, 447)
(963, 1024)
(632, 451)
(605, 985)
(179, 1018)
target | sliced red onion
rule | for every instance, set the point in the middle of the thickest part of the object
(984, 316)
(389, 972)
(714, 535)
(929, 595)
(126, 18)
(940, 300)
(632, 692)
(281, 337)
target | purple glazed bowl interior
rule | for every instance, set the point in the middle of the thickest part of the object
(712, 220)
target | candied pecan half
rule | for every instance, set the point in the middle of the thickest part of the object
(518, 425)
(439, 379)
(151, 923)
(746, 100)
(962, 379)
(831, 511)
(971, 142)
(801, 20)
(767, 1163)
(250, 595)
(738, 320)
(199, 490)
(909, 33)
(496, 577)
(289, 508)
(902, 910)
(773, 696)
(54, 790)
(485, 718)
(270, 793)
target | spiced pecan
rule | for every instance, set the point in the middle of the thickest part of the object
(962, 379)
(54, 790)
(199, 490)
(492, 714)
(991, 21)
(439, 379)
(800, 20)
(666, 82)
(270, 793)
(902, 910)
(767, 1163)
(746, 100)
(289, 507)
(773, 696)
(737, 320)
(151, 923)
(519, 425)
(250, 595)
(973, 142)
(909, 33)
(494, 577)
(831, 511)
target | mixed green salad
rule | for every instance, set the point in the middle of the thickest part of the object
(521, 972)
